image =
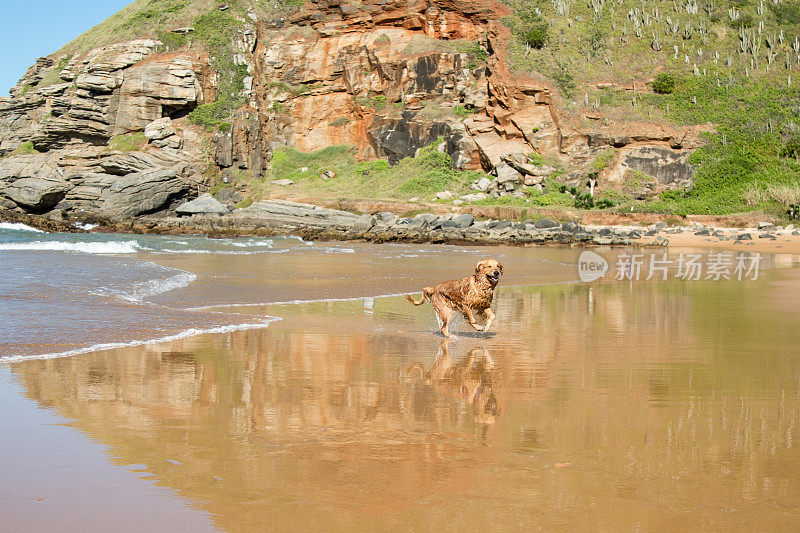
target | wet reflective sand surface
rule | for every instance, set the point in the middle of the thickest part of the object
(615, 406)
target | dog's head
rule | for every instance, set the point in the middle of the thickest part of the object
(490, 269)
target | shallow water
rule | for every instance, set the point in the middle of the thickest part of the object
(615, 405)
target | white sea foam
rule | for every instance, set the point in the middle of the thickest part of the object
(332, 250)
(221, 252)
(16, 226)
(152, 287)
(192, 332)
(86, 227)
(261, 243)
(109, 247)
(292, 302)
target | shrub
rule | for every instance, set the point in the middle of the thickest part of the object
(535, 35)
(663, 83)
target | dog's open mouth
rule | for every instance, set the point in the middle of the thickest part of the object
(493, 277)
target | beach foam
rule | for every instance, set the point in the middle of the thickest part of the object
(153, 287)
(109, 247)
(192, 332)
(16, 226)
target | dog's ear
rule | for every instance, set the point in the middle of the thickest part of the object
(501, 267)
(479, 265)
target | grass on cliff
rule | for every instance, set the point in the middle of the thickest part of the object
(430, 172)
(732, 63)
(152, 18)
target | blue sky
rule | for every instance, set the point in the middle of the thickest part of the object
(37, 28)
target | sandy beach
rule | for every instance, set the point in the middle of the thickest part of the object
(597, 405)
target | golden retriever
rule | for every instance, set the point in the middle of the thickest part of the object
(469, 296)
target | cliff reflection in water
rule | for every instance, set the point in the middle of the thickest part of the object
(650, 405)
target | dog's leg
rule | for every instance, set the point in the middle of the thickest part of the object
(471, 318)
(489, 318)
(444, 313)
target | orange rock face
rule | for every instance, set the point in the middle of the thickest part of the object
(392, 76)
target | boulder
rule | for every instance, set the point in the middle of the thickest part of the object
(159, 129)
(142, 192)
(463, 221)
(283, 182)
(474, 197)
(507, 174)
(482, 184)
(363, 223)
(204, 204)
(545, 223)
(38, 195)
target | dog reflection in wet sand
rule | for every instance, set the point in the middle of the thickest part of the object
(470, 296)
(470, 380)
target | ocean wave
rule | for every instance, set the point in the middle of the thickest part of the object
(153, 287)
(192, 332)
(16, 226)
(109, 247)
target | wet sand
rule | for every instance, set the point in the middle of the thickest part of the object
(607, 406)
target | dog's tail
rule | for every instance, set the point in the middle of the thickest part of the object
(426, 294)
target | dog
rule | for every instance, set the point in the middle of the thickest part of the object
(469, 296)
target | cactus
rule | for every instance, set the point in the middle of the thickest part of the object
(656, 44)
(710, 6)
(687, 31)
(760, 8)
(562, 7)
(734, 14)
(675, 49)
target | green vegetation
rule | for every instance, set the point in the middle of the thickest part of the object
(25, 148)
(132, 142)
(155, 19)
(340, 122)
(430, 172)
(216, 32)
(602, 160)
(527, 24)
(221, 186)
(663, 83)
(377, 102)
(722, 62)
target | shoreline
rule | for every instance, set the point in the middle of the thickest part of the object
(273, 218)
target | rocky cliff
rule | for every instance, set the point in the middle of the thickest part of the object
(105, 133)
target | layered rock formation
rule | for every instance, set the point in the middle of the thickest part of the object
(104, 96)
(388, 77)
